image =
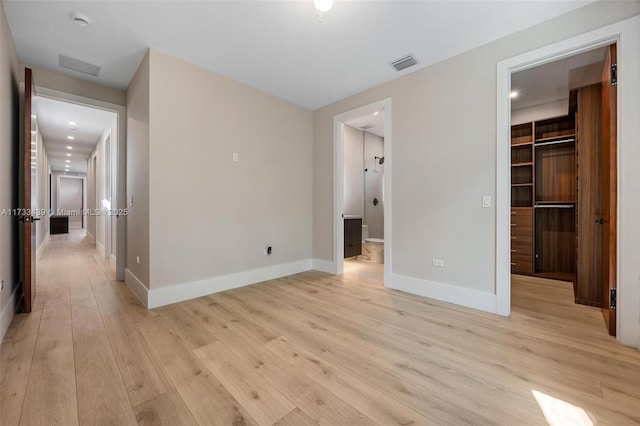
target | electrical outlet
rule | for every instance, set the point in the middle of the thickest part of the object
(486, 201)
(438, 263)
(267, 251)
(138, 260)
(236, 157)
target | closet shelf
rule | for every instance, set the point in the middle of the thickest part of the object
(522, 164)
(522, 184)
(515, 145)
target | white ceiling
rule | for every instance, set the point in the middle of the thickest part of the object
(276, 46)
(53, 119)
(552, 82)
(373, 119)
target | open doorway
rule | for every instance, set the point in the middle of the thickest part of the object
(362, 183)
(564, 184)
(77, 142)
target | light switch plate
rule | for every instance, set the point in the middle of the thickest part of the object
(236, 157)
(486, 201)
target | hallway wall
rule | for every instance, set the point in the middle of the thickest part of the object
(210, 217)
(9, 139)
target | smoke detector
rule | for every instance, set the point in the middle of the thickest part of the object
(80, 19)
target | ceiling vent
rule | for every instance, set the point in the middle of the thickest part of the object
(404, 62)
(366, 126)
(79, 66)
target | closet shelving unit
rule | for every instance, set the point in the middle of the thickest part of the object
(543, 198)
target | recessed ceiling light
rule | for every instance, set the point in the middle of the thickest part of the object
(72, 123)
(376, 113)
(514, 94)
(69, 147)
(68, 155)
(68, 161)
(80, 19)
(33, 116)
(33, 150)
(70, 137)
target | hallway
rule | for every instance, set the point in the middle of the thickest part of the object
(304, 349)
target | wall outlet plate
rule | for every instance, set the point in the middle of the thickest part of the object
(438, 263)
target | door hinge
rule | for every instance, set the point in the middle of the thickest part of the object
(614, 74)
(612, 298)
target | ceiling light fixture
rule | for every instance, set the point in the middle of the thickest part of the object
(73, 125)
(68, 161)
(323, 5)
(70, 137)
(79, 19)
(376, 113)
(68, 155)
(514, 94)
(69, 147)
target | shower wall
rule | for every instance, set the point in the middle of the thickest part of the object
(363, 178)
(373, 214)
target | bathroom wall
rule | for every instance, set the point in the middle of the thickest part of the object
(373, 214)
(363, 178)
(353, 172)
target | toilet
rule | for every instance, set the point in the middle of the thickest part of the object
(372, 248)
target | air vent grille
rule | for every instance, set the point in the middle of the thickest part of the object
(404, 62)
(366, 126)
(79, 66)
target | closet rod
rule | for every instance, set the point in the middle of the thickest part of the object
(556, 142)
(553, 206)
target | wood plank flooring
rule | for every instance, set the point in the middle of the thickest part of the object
(307, 349)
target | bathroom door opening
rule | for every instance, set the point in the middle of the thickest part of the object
(362, 192)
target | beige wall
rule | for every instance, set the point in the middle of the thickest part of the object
(76, 86)
(443, 153)
(138, 173)
(211, 216)
(9, 136)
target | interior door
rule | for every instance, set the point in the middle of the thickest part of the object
(27, 205)
(609, 187)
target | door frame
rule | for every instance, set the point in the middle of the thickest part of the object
(121, 152)
(626, 34)
(338, 183)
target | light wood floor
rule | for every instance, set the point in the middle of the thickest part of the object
(306, 349)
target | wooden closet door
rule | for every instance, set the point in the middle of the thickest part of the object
(589, 229)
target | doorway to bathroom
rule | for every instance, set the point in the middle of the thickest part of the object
(362, 192)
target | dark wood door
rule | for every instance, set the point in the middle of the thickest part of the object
(590, 206)
(609, 188)
(27, 205)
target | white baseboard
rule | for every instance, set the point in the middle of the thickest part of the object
(324, 266)
(100, 248)
(7, 314)
(91, 237)
(112, 261)
(137, 287)
(445, 292)
(191, 290)
(40, 249)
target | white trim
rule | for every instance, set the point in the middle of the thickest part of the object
(7, 314)
(100, 248)
(627, 34)
(92, 239)
(445, 292)
(112, 261)
(323, 266)
(40, 248)
(138, 288)
(338, 184)
(191, 290)
(120, 199)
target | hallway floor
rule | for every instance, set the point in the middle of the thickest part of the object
(302, 350)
